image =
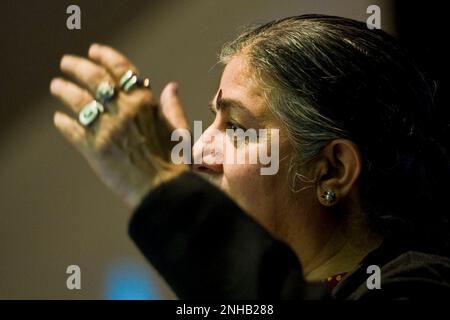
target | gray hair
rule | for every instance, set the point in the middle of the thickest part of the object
(295, 106)
(329, 77)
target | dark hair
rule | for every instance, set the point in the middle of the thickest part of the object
(328, 77)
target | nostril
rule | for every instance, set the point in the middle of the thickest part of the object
(208, 168)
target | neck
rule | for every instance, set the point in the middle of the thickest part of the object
(341, 254)
(330, 249)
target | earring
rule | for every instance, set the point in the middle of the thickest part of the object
(329, 196)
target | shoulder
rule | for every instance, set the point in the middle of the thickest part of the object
(410, 275)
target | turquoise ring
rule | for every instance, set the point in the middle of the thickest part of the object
(105, 92)
(131, 80)
(90, 112)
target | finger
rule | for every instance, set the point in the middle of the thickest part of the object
(115, 62)
(70, 94)
(71, 130)
(86, 72)
(171, 107)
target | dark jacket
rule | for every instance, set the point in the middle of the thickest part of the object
(206, 247)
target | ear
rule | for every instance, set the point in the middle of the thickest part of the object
(337, 171)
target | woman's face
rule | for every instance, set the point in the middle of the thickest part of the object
(239, 103)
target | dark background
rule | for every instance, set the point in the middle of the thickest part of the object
(423, 28)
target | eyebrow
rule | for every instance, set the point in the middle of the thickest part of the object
(225, 103)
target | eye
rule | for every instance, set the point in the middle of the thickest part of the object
(233, 126)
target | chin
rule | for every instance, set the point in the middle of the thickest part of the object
(212, 178)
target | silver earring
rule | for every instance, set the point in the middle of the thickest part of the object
(329, 196)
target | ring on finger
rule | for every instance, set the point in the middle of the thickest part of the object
(105, 91)
(90, 112)
(130, 80)
(143, 83)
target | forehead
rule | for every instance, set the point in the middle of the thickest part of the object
(237, 83)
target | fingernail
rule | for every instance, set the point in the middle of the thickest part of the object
(55, 84)
(93, 49)
(64, 61)
(175, 88)
(57, 118)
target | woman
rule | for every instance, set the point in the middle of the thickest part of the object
(357, 190)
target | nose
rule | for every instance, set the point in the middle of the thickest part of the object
(208, 155)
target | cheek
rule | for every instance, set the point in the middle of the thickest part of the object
(248, 188)
(242, 178)
(242, 175)
(253, 191)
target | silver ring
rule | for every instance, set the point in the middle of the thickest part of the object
(90, 112)
(130, 80)
(130, 84)
(124, 79)
(105, 91)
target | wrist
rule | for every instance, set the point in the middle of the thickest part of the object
(170, 172)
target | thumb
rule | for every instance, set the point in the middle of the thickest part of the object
(171, 107)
